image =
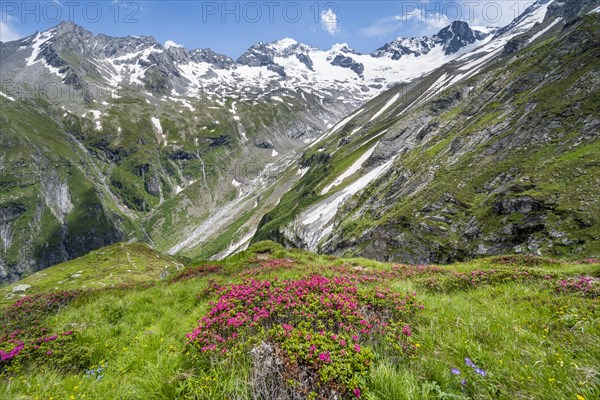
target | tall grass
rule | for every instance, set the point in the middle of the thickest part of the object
(532, 341)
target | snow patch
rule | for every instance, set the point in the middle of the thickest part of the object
(339, 125)
(313, 225)
(386, 106)
(37, 43)
(350, 171)
(302, 171)
(7, 96)
(157, 125)
(546, 29)
(240, 245)
(96, 116)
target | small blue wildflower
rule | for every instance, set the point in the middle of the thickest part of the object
(455, 371)
(470, 363)
(95, 373)
(480, 372)
(463, 382)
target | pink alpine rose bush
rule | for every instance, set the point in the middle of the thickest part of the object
(195, 272)
(322, 330)
(268, 265)
(583, 285)
(26, 341)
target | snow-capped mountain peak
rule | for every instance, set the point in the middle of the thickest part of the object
(283, 44)
(456, 36)
(343, 48)
(452, 39)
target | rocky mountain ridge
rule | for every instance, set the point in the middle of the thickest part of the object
(141, 129)
(99, 63)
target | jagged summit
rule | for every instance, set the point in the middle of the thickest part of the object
(450, 39)
(456, 36)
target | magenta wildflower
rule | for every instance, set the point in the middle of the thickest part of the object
(310, 311)
(325, 357)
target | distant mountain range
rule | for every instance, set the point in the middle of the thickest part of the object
(96, 63)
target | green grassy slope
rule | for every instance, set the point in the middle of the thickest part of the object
(529, 338)
(118, 264)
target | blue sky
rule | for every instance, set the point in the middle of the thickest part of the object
(230, 27)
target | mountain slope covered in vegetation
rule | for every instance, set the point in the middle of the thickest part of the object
(463, 165)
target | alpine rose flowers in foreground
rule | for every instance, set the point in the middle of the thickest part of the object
(308, 323)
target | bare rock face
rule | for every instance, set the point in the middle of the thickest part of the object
(21, 288)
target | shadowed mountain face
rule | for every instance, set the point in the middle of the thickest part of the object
(420, 151)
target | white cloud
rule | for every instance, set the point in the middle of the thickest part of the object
(170, 43)
(417, 20)
(382, 27)
(427, 17)
(329, 22)
(7, 31)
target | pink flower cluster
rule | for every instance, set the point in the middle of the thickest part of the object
(20, 329)
(326, 324)
(255, 304)
(4, 356)
(197, 271)
(582, 284)
(325, 357)
(268, 265)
